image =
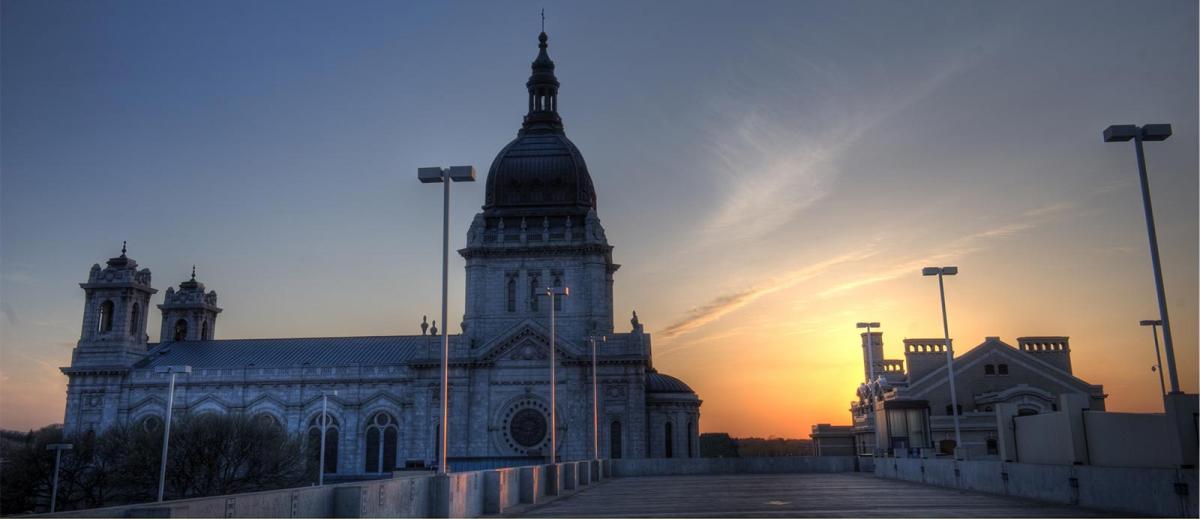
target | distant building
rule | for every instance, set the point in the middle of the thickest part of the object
(909, 409)
(538, 228)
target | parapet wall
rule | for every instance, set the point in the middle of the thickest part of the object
(1136, 491)
(687, 466)
(460, 494)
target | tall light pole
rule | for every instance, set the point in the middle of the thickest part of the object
(445, 176)
(1154, 324)
(595, 399)
(57, 448)
(1150, 132)
(870, 348)
(940, 272)
(324, 425)
(552, 293)
(162, 470)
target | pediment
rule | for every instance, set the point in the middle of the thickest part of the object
(527, 341)
(991, 351)
(385, 399)
(153, 401)
(209, 403)
(266, 400)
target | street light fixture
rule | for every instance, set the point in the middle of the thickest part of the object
(870, 348)
(1154, 324)
(553, 292)
(445, 176)
(595, 399)
(1153, 133)
(940, 272)
(162, 470)
(324, 425)
(57, 448)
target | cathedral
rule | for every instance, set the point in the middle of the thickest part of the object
(538, 228)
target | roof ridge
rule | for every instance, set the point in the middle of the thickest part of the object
(300, 338)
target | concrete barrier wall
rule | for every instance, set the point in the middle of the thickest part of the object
(502, 490)
(1139, 491)
(1108, 442)
(687, 466)
(1044, 438)
(460, 494)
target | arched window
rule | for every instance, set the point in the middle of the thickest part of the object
(267, 420)
(134, 315)
(989, 369)
(380, 449)
(512, 293)
(204, 330)
(534, 293)
(669, 443)
(151, 424)
(558, 299)
(691, 433)
(1002, 369)
(614, 440)
(332, 431)
(180, 330)
(106, 316)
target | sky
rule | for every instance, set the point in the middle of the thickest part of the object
(770, 173)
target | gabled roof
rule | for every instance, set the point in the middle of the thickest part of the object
(310, 351)
(937, 377)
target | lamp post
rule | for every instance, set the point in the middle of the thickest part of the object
(870, 348)
(162, 470)
(940, 272)
(553, 292)
(1150, 132)
(445, 176)
(324, 425)
(595, 399)
(57, 448)
(1154, 324)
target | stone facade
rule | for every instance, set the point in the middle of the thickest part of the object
(1031, 376)
(539, 229)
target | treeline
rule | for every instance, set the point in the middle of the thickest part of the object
(209, 455)
(721, 445)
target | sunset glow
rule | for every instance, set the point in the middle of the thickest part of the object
(769, 175)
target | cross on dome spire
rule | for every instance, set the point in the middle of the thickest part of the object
(123, 248)
(193, 272)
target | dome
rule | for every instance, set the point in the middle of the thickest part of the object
(541, 168)
(660, 383)
(537, 170)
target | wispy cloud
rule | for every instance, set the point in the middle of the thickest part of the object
(949, 252)
(724, 304)
(958, 248)
(778, 163)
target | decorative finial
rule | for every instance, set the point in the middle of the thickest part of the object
(543, 20)
(424, 324)
(122, 247)
(193, 272)
(433, 329)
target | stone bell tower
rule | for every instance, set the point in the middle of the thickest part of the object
(189, 314)
(538, 229)
(116, 303)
